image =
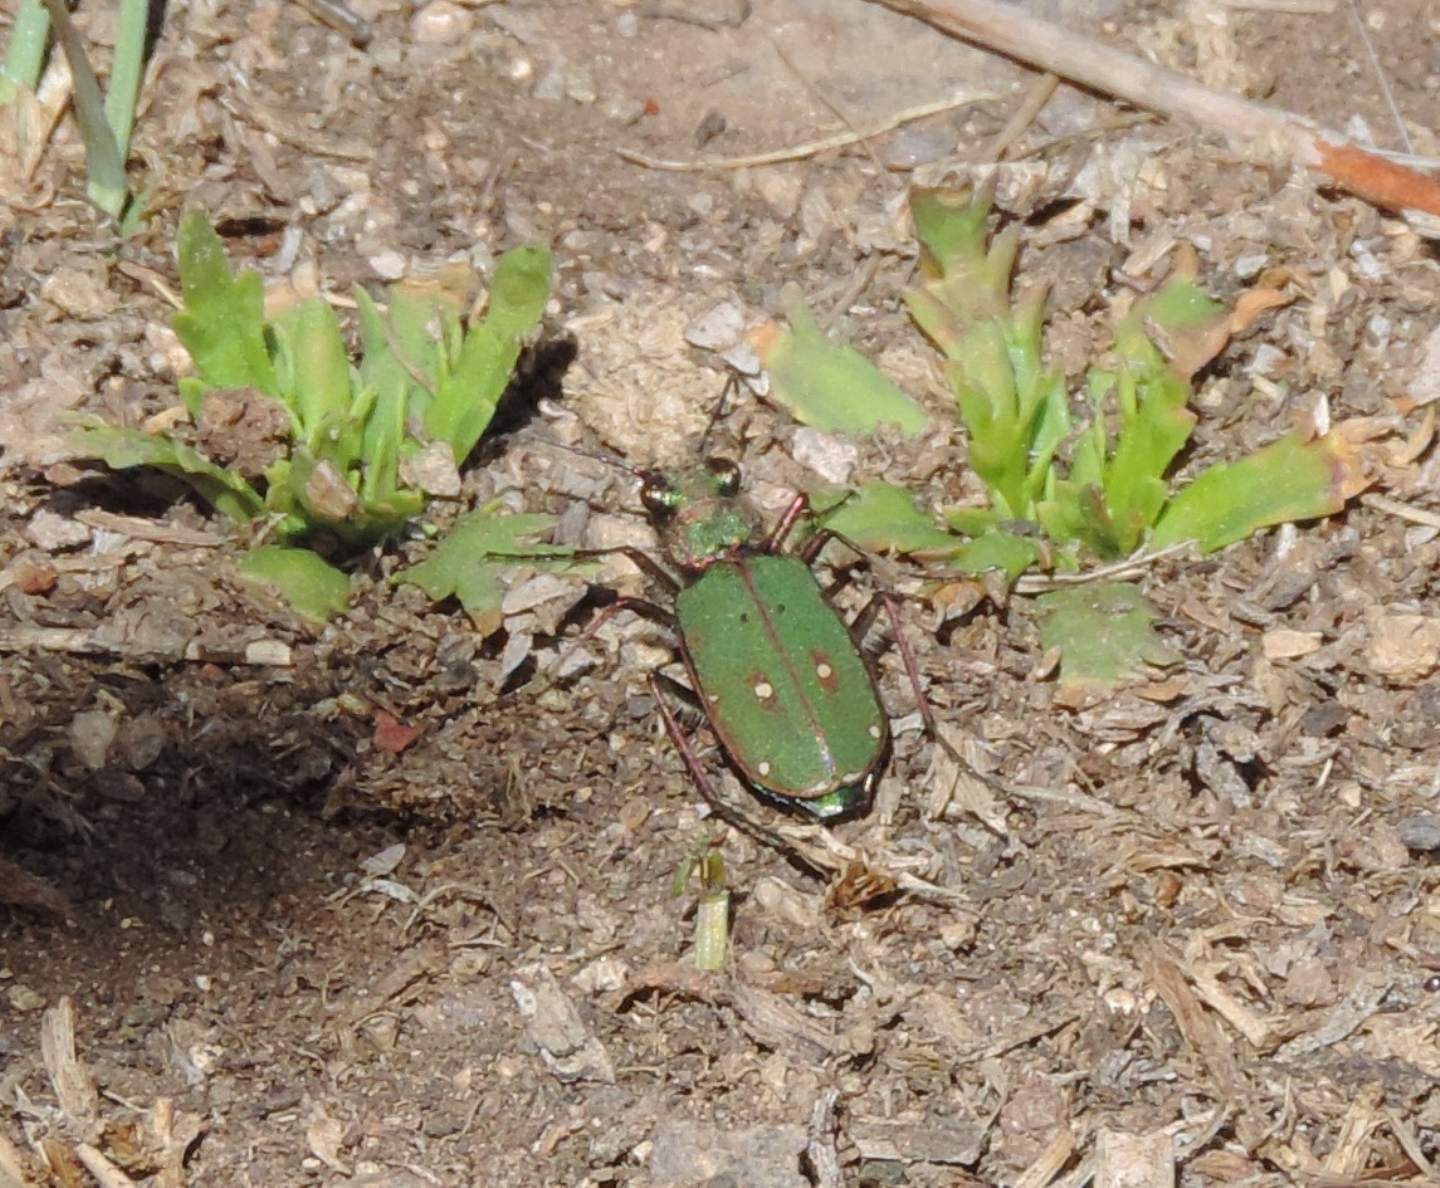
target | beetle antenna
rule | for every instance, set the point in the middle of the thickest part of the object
(598, 455)
(732, 384)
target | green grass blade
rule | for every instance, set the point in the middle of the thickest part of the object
(25, 59)
(712, 930)
(385, 376)
(104, 162)
(126, 70)
(467, 397)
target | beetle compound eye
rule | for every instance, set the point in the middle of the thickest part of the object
(727, 475)
(658, 496)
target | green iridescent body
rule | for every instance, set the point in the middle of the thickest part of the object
(775, 668)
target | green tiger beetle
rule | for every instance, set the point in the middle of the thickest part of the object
(773, 667)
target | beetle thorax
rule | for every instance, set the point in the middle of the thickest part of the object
(699, 513)
(709, 530)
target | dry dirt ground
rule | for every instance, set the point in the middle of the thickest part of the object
(1203, 929)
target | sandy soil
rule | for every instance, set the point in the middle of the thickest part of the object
(291, 955)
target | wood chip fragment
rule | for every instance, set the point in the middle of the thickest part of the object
(68, 1075)
(1048, 1163)
(106, 1174)
(1134, 1160)
(1284, 644)
(1344, 1017)
(1195, 1025)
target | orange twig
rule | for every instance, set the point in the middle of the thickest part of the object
(1260, 129)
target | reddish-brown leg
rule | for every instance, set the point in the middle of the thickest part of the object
(798, 507)
(702, 780)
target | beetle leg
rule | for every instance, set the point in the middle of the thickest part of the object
(860, 627)
(798, 507)
(816, 543)
(647, 564)
(687, 696)
(702, 781)
(649, 610)
(812, 548)
(862, 623)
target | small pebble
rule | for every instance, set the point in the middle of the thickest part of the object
(1421, 833)
(627, 24)
(717, 328)
(79, 293)
(1268, 359)
(623, 109)
(433, 471)
(52, 531)
(1248, 266)
(745, 359)
(551, 85)
(580, 86)
(91, 736)
(441, 22)
(388, 265)
(829, 457)
(781, 188)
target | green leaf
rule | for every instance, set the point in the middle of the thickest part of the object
(1003, 551)
(469, 562)
(1105, 633)
(313, 370)
(391, 385)
(309, 583)
(882, 518)
(466, 398)
(833, 387)
(317, 496)
(122, 449)
(222, 324)
(1290, 479)
(971, 521)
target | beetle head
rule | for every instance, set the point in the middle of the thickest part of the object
(699, 513)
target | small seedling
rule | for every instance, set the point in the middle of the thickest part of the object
(712, 913)
(1064, 489)
(287, 432)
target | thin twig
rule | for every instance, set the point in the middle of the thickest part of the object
(1036, 96)
(1285, 7)
(810, 147)
(1038, 583)
(824, 100)
(1403, 510)
(1380, 77)
(1011, 30)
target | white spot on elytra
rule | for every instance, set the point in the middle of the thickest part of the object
(763, 769)
(874, 732)
(824, 671)
(764, 690)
